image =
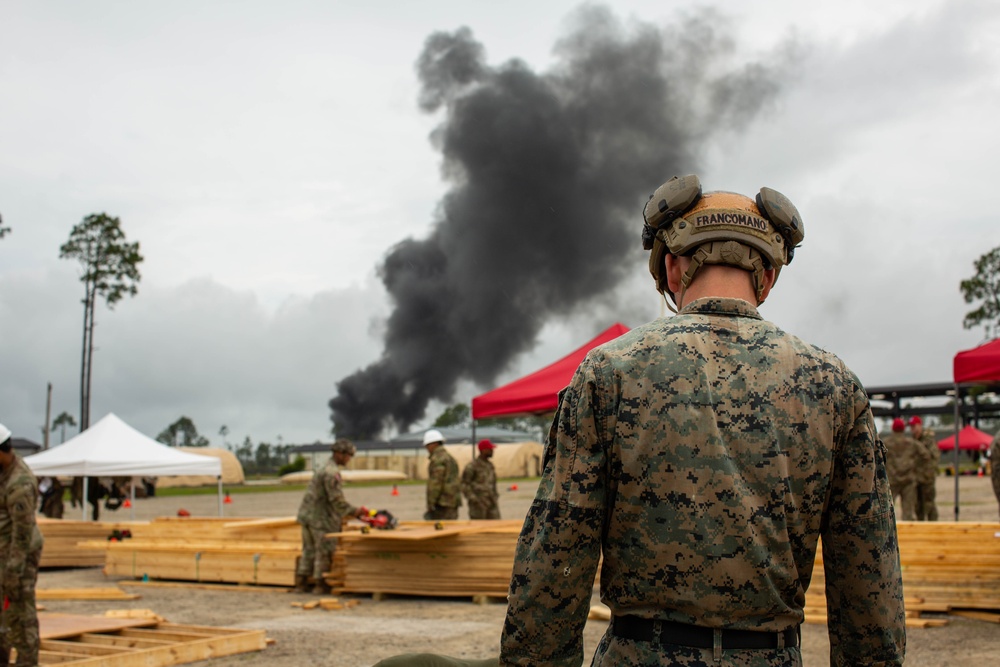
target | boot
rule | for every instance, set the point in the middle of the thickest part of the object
(301, 584)
(321, 588)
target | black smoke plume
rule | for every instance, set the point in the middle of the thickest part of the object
(548, 176)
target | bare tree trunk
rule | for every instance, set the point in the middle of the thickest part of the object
(90, 354)
(48, 417)
(83, 362)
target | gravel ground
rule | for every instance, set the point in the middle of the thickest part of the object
(372, 630)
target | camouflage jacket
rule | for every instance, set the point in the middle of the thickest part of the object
(19, 534)
(903, 456)
(928, 466)
(704, 455)
(324, 506)
(479, 483)
(442, 480)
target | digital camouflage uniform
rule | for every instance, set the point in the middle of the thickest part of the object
(479, 486)
(322, 511)
(903, 457)
(20, 553)
(927, 468)
(443, 493)
(703, 455)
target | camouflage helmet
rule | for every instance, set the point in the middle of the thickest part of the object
(719, 228)
(343, 446)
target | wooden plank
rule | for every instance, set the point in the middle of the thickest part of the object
(53, 625)
(83, 594)
(205, 587)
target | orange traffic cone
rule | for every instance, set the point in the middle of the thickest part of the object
(127, 503)
(227, 500)
(395, 491)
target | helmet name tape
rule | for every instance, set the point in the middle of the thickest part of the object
(739, 218)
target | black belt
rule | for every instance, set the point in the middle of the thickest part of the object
(682, 634)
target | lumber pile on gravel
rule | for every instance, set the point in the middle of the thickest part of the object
(249, 551)
(946, 566)
(63, 540)
(448, 559)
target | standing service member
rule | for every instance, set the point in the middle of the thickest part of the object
(20, 553)
(322, 511)
(479, 484)
(904, 456)
(704, 455)
(444, 496)
(926, 471)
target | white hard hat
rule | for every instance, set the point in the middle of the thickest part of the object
(5, 433)
(433, 436)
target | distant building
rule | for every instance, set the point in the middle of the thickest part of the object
(25, 447)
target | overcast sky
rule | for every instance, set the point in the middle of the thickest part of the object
(268, 155)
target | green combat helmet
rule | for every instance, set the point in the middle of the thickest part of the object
(718, 228)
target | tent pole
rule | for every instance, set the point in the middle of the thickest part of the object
(131, 507)
(83, 502)
(219, 479)
(958, 397)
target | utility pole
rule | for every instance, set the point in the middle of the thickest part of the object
(48, 417)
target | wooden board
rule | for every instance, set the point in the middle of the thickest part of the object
(59, 626)
(83, 594)
(70, 640)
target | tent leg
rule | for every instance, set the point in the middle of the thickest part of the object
(131, 508)
(83, 502)
(958, 397)
(219, 479)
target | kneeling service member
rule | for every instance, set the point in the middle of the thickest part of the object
(704, 455)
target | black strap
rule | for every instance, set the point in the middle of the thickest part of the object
(682, 634)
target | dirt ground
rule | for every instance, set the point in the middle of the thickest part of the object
(372, 630)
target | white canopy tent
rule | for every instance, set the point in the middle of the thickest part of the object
(112, 448)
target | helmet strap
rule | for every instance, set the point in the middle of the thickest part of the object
(729, 253)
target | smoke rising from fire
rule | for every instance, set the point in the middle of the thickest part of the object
(548, 173)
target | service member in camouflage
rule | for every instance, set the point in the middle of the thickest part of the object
(479, 484)
(703, 455)
(904, 456)
(926, 509)
(444, 495)
(20, 553)
(322, 511)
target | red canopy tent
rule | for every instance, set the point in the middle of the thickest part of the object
(969, 438)
(537, 393)
(980, 364)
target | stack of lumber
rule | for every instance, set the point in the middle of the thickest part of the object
(68, 640)
(463, 558)
(946, 566)
(249, 551)
(63, 540)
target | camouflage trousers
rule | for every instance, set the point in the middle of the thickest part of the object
(441, 514)
(483, 510)
(907, 494)
(615, 651)
(926, 507)
(317, 552)
(19, 622)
